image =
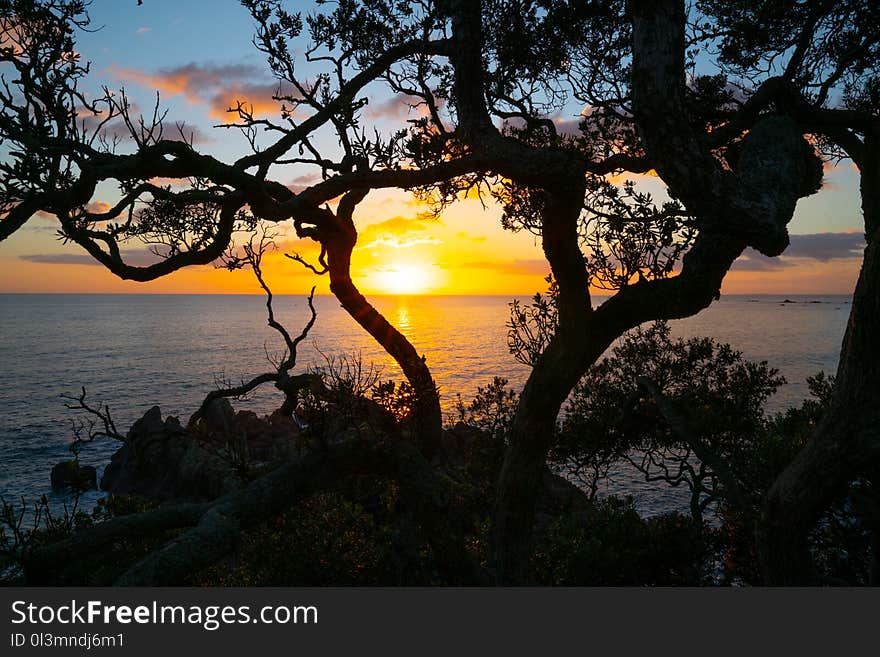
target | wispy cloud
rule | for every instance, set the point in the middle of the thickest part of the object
(397, 233)
(298, 184)
(751, 260)
(399, 107)
(821, 247)
(116, 130)
(135, 257)
(218, 86)
(826, 246)
(512, 268)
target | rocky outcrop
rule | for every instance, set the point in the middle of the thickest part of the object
(161, 460)
(71, 475)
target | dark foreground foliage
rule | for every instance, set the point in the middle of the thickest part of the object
(380, 514)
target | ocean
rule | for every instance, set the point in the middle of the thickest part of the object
(135, 351)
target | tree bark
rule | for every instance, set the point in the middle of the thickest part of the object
(846, 442)
(553, 376)
(428, 419)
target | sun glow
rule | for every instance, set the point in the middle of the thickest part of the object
(403, 279)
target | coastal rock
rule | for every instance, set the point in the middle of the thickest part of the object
(70, 474)
(219, 416)
(161, 460)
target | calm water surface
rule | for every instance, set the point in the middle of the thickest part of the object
(134, 351)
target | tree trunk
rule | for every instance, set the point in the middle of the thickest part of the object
(338, 240)
(847, 441)
(428, 420)
(569, 353)
(525, 461)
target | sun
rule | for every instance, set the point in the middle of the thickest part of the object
(403, 279)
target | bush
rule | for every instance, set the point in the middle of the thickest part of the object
(611, 545)
(325, 540)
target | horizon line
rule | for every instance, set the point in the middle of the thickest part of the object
(384, 294)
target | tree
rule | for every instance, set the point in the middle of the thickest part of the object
(60, 148)
(738, 195)
(491, 76)
(829, 55)
(684, 412)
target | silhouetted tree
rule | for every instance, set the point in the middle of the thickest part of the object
(491, 77)
(819, 63)
(685, 412)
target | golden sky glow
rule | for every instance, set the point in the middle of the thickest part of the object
(399, 251)
(404, 278)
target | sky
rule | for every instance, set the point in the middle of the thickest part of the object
(198, 55)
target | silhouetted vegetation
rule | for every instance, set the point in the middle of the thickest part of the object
(793, 85)
(370, 518)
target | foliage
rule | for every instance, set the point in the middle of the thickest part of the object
(722, 393)
(628, 238)
(325, 540)
(367, 527)
(532, 325)
(610, 545)
(722, 396)
(25, 528)
(491, 410)
(398, 398)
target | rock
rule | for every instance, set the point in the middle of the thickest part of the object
(70, 474)
(219, 416)
(161, 460)
(151, 422)
(148, 461)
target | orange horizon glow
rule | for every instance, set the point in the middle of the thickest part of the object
(399, 252)
(397, 278)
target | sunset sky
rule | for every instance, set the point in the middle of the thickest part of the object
(198, 55)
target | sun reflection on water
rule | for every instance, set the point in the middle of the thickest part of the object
(403, 320)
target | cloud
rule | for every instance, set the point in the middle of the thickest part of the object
(258, 99)
(98, 207)
(397, 233)
(298, 184)
(822, 247)
(144, 30)
(568, 127)
(512, 268)
(751, 260)
(471, 238)
(192, 80)
(399, 107)
(185, 132)
(134, 257)
(169, 182)
(826, 246)
(116, 130)
(218, 86)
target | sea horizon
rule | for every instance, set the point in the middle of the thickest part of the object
(134, 351)
(370, 295)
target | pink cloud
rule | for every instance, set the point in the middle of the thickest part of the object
(220, 87)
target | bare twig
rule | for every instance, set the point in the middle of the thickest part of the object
(85, 431)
